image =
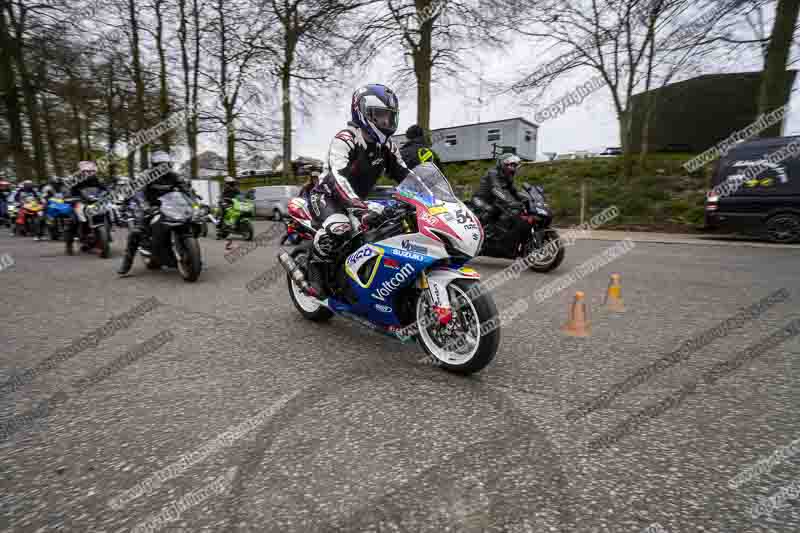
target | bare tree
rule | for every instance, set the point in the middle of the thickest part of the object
(630, 44)
(10, 93)
(305, 53)
(434, 36)
(773, 85)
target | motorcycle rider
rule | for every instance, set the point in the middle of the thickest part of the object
(497, 189)
(29, 189)
(87, 179)
(357, 157)
(416, 150)
(230, 190)
(143, 203)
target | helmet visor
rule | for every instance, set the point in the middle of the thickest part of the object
(384, 119)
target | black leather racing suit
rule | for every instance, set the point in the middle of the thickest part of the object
(144, 204)
(353, 167)
(497, 190)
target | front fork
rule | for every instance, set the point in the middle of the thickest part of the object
(435, 289)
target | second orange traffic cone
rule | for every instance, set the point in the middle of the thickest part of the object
(578, 324)
(614, 295)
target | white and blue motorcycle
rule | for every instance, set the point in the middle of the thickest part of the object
(406, 277)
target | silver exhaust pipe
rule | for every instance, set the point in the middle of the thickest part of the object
(294, 271)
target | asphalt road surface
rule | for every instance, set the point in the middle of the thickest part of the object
(279, 424)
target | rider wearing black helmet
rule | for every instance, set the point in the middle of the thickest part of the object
(416, 150)
(165, 180)
(497, 189)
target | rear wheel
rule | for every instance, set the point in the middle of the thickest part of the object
(189, 261)
(310, 308)
(467, 343)
(784, 228)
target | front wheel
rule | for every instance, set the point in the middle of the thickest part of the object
(188, 256)
(550, 256)
(469, 342)
(103, 241)
(247, 230)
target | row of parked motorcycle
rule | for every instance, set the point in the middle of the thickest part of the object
(91, 220)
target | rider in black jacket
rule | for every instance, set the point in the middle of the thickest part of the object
(416, 150)
(143, 204)
(498, 190)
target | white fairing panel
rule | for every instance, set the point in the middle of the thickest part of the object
(416, 243)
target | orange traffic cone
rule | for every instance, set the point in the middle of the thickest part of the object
(613, 300)
(578, 324)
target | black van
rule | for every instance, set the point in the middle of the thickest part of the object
(767, 201)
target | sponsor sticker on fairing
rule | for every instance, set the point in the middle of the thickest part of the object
(383, 308)
(389, 286)
(410, 255)
(411, 247)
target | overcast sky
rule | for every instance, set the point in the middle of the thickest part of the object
(592, 125)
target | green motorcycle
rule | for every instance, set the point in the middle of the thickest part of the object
(238, 219)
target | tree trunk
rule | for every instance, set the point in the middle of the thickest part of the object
(31, 103)
(230, 139)
(8, 88)
(288, 173)
(774, 90)
(195, 85)
(87, 137)
(112, 126)
(137, 78)
(76, 119)
(130, 158)
(163, 94)
(52, 143)
(624, 119)
(187, 93)
(422, 67)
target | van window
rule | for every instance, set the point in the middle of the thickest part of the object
(760, 176)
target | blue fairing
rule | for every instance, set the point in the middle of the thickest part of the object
(395, 270)
(55, 209)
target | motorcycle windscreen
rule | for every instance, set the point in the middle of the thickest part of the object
(428, 185)
(176, 207)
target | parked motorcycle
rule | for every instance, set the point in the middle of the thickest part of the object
(29, 216)
(297, 232)
(542, 242)
(11, 213)
(171, 240)
(404, 276)
(57, 216)
(93, 229)
(238, 219)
